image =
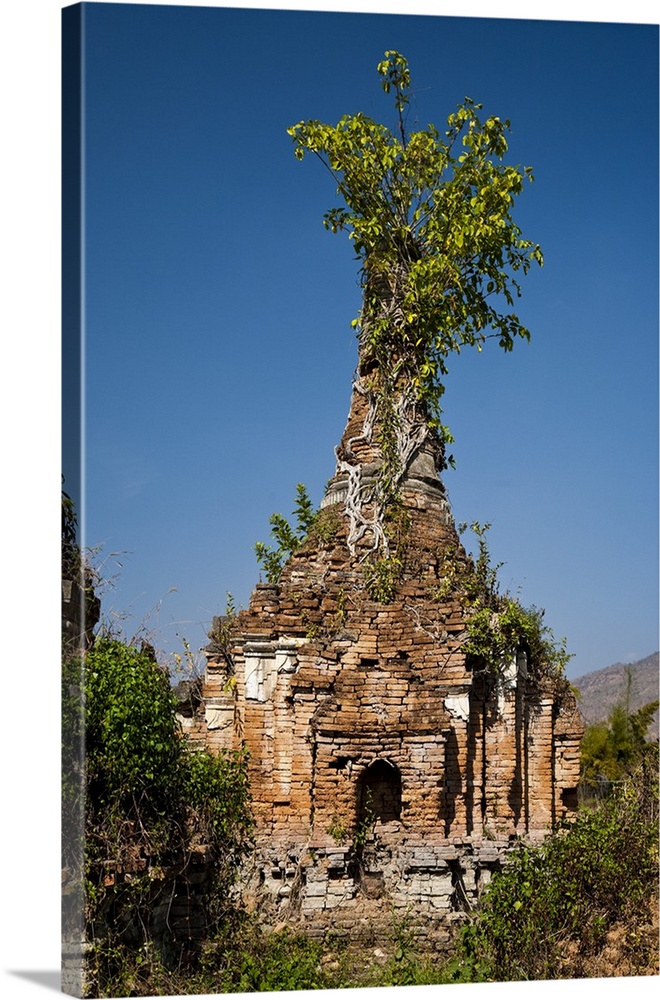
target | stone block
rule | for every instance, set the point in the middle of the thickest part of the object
(316, 888)
(311, 904)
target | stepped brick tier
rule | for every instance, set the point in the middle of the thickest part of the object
(387, 770)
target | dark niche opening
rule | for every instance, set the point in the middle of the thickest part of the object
(379, 793)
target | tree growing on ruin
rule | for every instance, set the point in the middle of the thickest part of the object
(429, 215)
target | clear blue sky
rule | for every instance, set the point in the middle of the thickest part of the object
(219, 351)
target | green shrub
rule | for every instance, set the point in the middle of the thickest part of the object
(600, 869)
(156, 811)
(281, 961)
(288, 538)
(132, 741)
(381, 578)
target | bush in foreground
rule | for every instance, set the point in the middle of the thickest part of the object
(161, 820)
(564, 897)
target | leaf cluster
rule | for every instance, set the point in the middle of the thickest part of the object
(288, 537)
(497, 624)
(132, 744)
(381, 577)
(217, 796)
(494, 637)
(279, 961)
(429, 215)
(140, 772)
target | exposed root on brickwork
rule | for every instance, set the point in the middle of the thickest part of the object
(411, 431)
(359, 497)
(366, 503)
(429, 627)
(358, 494)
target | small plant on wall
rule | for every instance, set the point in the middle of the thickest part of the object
(288, 538)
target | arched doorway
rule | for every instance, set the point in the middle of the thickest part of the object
(379, 793)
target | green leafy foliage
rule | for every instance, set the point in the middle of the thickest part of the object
(141, 773)
(481, 586)
(495, 635)
(130, 728)
(562, 897)
(408, 965)
(325, 526)
(216, 793)
(151, 803)
(497, 624)
(280, 961)
(248, 959)
(611, 749)
(381, 576)
(288, 538)
(429, 216)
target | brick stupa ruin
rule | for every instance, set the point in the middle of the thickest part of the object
(388, 770)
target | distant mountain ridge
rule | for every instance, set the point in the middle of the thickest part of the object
(601, 690)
